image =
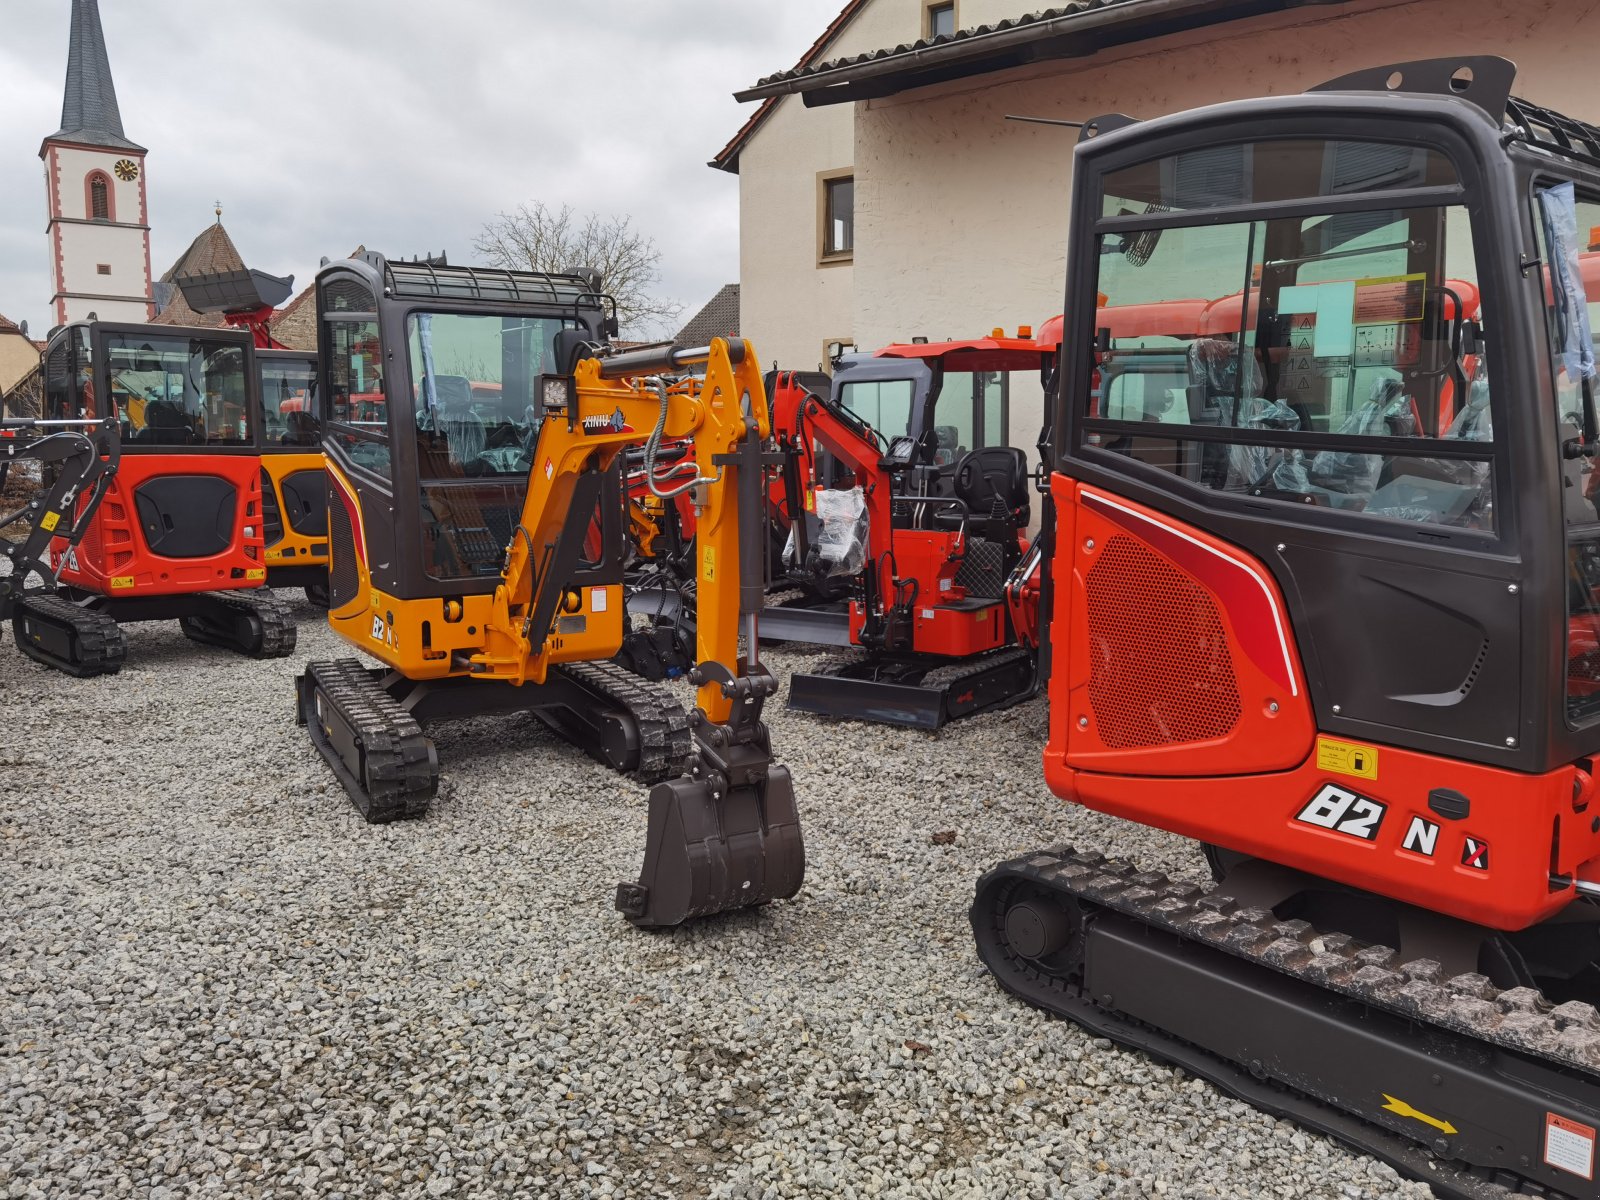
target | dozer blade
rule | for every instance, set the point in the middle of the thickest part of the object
(915, 692)
(707, 852)
(254, 622)
(75, 640)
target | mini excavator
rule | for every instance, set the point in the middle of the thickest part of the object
(1324, 598)
(475, 429)
(294, 490)
(943, 603)
(178, 532)
(77, 459)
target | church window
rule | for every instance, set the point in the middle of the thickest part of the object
(99, 197)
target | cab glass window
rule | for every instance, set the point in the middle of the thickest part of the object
(288, 402)
(1218, 343)
(358, 412)
(1270, 173)
(472, 387)
(884, 404)
(178, 391)
(1569, 228)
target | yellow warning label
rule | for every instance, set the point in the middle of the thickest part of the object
(274, 555)
(256, 573)
(1347, 758)
(811, 500)
(49, 521)
(709, 563)
(122, 581)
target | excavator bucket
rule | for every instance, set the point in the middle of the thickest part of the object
(708, 853)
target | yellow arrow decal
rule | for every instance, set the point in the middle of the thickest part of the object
(1401, 1108)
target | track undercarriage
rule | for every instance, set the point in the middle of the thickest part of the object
(920, 691)
(81, 635)
(367, 723)
(1465, 1073)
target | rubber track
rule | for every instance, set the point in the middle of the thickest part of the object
(278, 629)
(98, 636)
(666, 745)
(943, 677)
(402, 769)
(838, 664)
(1468, 1004)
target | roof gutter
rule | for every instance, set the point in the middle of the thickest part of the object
(1021, 43)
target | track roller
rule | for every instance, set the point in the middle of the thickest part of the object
(255, 622)
(71, 638)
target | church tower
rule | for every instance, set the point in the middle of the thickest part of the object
(95, 187)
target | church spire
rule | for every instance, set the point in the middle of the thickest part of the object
(89, 114)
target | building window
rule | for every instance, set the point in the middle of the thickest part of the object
(102, 268)
(99, 198)
(941, 20)
(838, 216)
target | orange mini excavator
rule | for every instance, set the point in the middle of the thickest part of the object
(178, 534)
(1324, 598)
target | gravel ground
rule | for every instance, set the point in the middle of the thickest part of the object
(215, 980)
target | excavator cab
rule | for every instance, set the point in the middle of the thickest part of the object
(179, 532)
(294, 486)
(1323, 600)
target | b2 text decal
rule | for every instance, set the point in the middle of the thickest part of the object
(1343, 811)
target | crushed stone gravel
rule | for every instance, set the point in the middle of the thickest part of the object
(215, 980)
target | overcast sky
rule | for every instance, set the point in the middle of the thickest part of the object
(402, 124)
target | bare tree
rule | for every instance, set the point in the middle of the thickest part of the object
(536, 238)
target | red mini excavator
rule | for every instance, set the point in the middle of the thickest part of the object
(940, 566)
(1324, 598)
(178, 535)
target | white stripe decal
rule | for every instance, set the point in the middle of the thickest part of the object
(1277, 621)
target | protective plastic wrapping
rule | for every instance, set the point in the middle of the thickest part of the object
(1561, 227)
(1385, 413)
(839, 547)
(1231, 386)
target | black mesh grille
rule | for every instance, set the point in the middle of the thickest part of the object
(347, 295)
(343, 582)
(982, 570)
(271, 518)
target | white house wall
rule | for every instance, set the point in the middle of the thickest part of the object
(788, 305)
(961, 216)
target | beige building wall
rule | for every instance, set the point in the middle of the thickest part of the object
(791, 305)
(961, 215)
(18, 356)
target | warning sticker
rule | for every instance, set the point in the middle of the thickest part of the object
(1347, 758)
(597, 600)
(122, 581)
(549, 468)
(1569, 1145)
(708, 563)
(48, 521)
(256, 573)
(1387, 300)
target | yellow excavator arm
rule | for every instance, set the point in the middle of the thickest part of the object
(728, 835)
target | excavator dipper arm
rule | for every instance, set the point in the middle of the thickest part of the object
(727, 835)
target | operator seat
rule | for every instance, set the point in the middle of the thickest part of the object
(993, 483)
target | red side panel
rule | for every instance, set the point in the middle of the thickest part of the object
(1170, 649)
(1178, 655)
(114, 559)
